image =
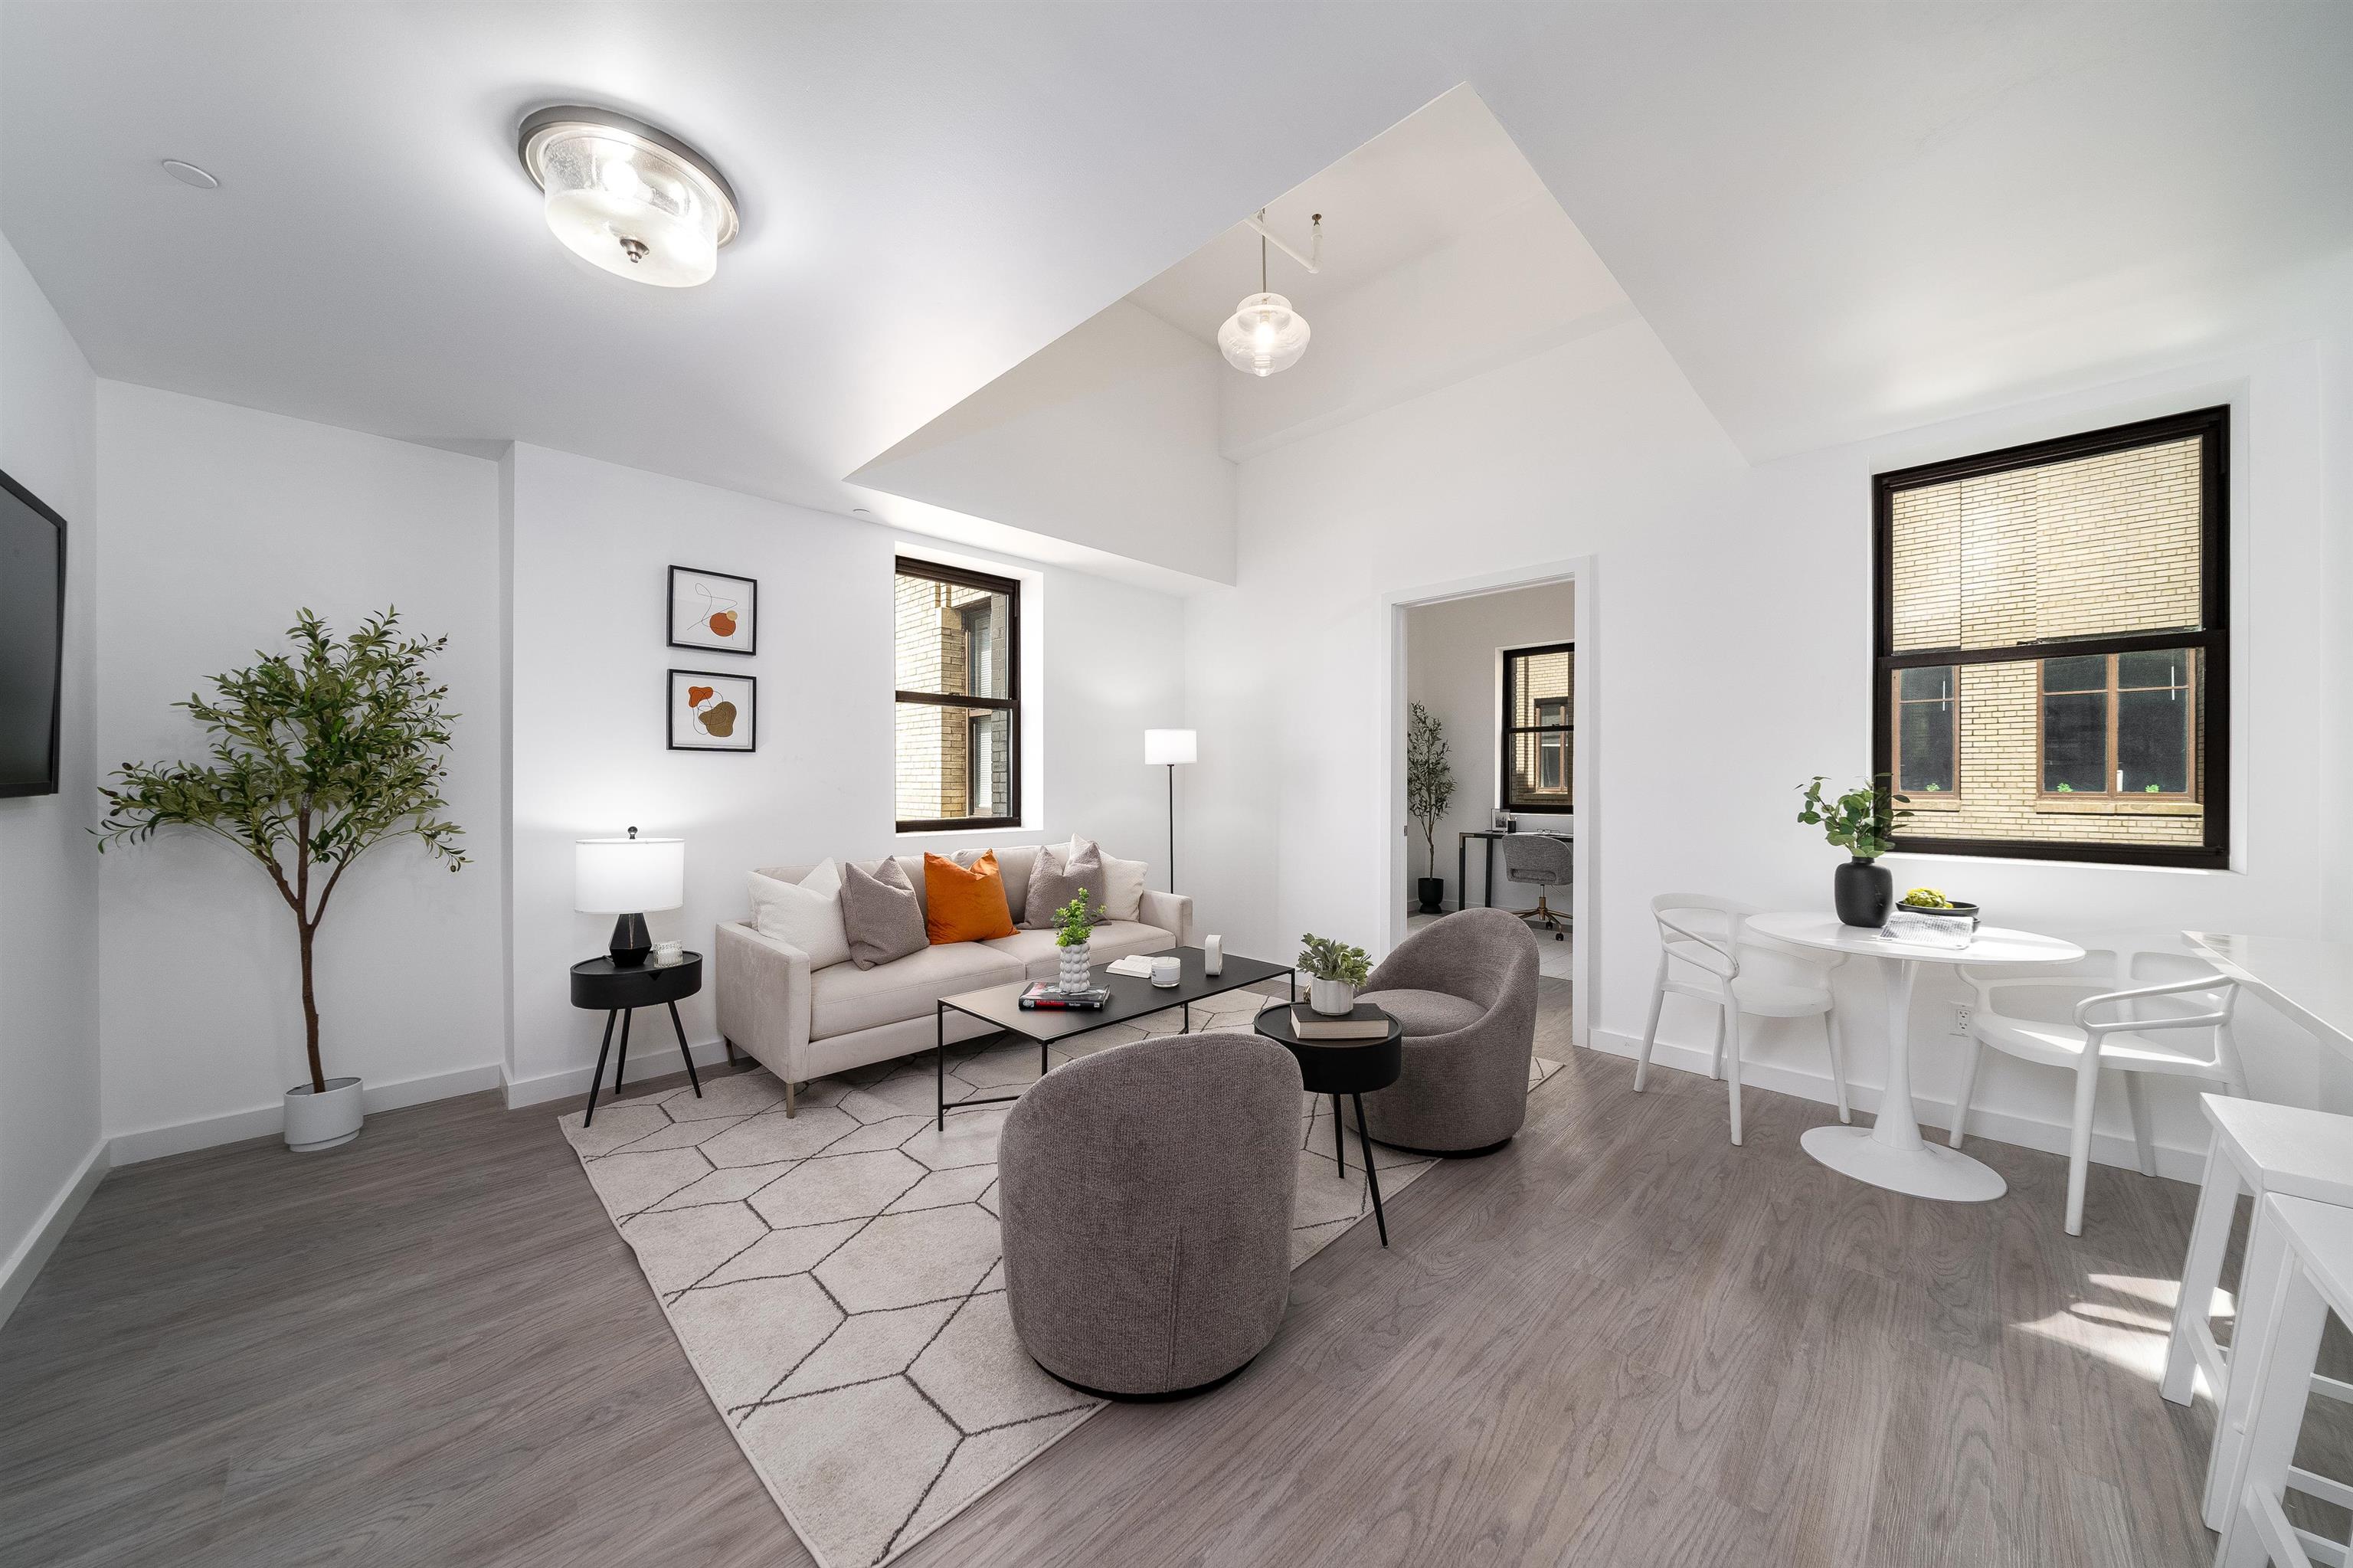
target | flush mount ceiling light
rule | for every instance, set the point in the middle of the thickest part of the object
(632, 198)
(1264, 334)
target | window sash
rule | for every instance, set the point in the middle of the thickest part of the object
(2112, 693)
(1010, 706)
(2210, 641)
(1554, 746)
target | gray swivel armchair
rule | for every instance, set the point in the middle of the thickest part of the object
(1543, 861)
(1465, 990)
(1145, 1197)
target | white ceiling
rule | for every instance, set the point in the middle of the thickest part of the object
(1841, 219)
(1417, 187)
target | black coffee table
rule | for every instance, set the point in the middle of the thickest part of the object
(1350, 1067)
(1131, 998)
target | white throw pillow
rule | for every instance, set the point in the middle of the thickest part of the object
(1123, 888)
(807, 915)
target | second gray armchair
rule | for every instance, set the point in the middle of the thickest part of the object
(1465, 990)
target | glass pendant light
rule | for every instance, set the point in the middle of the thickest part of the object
(1264, 334)
(631, 198)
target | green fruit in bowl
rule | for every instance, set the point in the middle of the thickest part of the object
(1927, 899)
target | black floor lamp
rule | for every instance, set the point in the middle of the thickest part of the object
(1167, 747)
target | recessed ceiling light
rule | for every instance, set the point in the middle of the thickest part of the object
(189, 175)
(632, 198)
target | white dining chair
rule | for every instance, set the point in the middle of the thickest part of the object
(2135, 989)
(1703, 954)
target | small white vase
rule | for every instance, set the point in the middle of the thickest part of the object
(1334, 998)
(1075, 964)
(316, 1121)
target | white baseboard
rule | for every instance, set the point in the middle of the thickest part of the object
(16, 1275)
(655, 1064)
(262, 1121)
(2003, 1126)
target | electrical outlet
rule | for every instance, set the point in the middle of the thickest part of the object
(1963, 1016)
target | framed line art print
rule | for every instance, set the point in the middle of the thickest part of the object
(714, 610)
(712, 712)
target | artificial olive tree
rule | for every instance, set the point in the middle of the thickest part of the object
(319, 755)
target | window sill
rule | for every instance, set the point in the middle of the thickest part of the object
(1937, 801)
(2115, 805)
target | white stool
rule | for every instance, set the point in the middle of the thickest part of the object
(2311, 1273)
(2264, 1149)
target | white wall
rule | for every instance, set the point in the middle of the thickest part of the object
(50, 1151)
(1454, 668)
(590, 543)
(1107, 438)
(221, 523)
(1730, 642)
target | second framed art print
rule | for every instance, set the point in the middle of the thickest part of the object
(712, 712)
(714, 610)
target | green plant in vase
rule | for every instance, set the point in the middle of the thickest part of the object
(1863, 821)
(1335, 971)
(1074, 928)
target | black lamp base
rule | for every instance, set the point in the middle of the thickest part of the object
(631, 944)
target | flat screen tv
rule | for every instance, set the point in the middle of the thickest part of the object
(32, 629)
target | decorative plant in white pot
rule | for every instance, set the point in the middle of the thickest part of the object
(1334, 971)
(1428, 790)
(1074, 928)
(319, 755)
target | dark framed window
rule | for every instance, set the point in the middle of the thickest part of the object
(1539, 736)
(957, 709)
(2051, 646)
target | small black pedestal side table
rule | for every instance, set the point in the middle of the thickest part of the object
(1350, 1067)
(602, 983)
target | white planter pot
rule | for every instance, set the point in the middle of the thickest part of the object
(1334, 998)
(1075, 964)
(316, 1121)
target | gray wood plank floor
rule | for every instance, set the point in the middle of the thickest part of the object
(1619, 1341)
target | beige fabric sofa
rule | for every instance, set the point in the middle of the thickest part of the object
(803, 1023)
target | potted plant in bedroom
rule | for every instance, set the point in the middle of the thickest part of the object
(1863, 821)
(318, 756)
(1429, 789)
(1335, 970)
(1074, 929)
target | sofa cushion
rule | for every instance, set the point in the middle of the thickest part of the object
(1055, 881)
(1425, 1013)
(1122, 894)
(1040, 959)
(964, 898)
(879, 914)
(846, 998)
(805, 913)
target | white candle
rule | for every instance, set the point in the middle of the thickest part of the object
(1213, 955)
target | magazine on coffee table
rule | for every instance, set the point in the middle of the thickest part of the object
(1045, 996)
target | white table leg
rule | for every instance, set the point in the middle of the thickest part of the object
(1891, 1153)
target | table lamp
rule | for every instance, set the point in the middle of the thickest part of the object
(625, 878)
(1167, 747)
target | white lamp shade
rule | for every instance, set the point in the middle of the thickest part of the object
(628, 876)
(1165, 746)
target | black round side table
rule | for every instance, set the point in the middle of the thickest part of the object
(1350, 1067)
(617, 989)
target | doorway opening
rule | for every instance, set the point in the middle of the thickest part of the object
(1497, 672)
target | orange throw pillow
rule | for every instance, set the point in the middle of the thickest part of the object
(965, 904)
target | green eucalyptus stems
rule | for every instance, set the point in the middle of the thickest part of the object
(1863, 821)
(1074, 922)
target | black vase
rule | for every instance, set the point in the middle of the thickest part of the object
(1432, 891)
(1865, 892)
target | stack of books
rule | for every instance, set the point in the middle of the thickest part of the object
(1366, 1021)
(1045, 996)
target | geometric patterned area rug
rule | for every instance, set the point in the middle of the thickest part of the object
(833, 1276)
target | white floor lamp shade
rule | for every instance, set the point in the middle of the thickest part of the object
(1169, 747)
(626, 877)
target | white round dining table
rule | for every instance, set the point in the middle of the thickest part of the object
(1891, 1152)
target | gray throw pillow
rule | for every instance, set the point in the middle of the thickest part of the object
(1054, 880)
(880, 914)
